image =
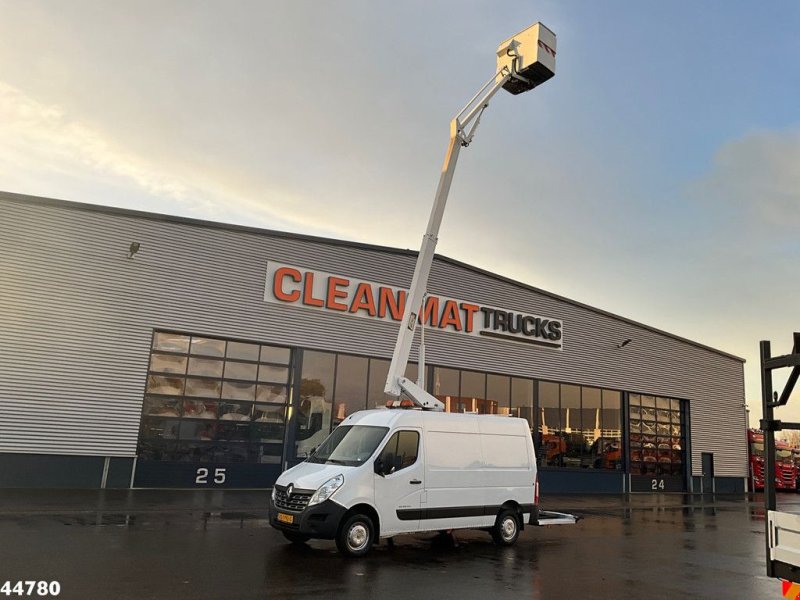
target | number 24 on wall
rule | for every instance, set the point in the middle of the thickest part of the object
(202, 476)
(657, 484)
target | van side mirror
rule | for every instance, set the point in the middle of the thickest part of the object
(379, 467)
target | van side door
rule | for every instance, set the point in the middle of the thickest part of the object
(399, 484)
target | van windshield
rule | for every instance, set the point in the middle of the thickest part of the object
(349, 445)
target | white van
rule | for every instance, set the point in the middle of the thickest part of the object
(387, 472)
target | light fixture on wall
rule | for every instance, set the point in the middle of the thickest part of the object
(134, 248)
(624, 343)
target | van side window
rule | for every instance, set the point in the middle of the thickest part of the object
(400, 451)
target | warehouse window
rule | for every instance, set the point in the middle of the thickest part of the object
(446, 385)
(313, 417)
(351, 386)
(657, 435)
(378, 371)
(522, 400)
(579, 427)
(484, 393)
(333, 386)
(473, 393)
(214, 400)
(498, 390)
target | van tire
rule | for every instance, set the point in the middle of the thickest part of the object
(506, 528)
(356, 536)
(295, 538)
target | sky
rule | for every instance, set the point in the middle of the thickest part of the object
(656, 176)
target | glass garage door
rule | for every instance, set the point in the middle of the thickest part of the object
(657, 443)
(214, 413)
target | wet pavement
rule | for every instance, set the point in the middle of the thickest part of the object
(187, 544)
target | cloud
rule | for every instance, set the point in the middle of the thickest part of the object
(43, 140)
(748, 210)
(756, 179)
(47, 132)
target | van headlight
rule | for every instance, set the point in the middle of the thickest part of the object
(327, 490)
(274, 493)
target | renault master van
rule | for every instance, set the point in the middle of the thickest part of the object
(387, 472)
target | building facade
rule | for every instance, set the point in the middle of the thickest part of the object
(152, 351)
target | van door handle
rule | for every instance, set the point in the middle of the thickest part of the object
(415, 481)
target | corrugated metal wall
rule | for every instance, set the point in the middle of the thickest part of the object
(76, 316)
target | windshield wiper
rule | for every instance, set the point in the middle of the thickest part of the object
(335, 461)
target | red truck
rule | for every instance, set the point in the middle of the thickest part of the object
(785, 468)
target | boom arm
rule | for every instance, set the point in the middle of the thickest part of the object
(396, 384)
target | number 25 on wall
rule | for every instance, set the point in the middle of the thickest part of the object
(202, 476)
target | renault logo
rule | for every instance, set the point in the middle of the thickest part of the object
(289, 491)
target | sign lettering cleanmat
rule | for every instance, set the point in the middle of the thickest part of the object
(317, 290)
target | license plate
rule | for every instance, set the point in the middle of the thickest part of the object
(285, 518)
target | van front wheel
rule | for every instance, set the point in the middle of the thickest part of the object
(356, 536)
(506, 528)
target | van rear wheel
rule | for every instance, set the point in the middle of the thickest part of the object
(356, 536)
(506, 528)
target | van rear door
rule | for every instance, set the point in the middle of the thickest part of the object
(399, 482)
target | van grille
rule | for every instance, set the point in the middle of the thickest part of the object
(297, 502)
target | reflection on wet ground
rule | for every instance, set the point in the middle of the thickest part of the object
(196, 546)
(144, 520)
